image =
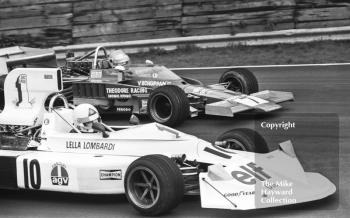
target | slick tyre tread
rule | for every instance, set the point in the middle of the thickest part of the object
(180, 105)
(251, 139)
(179, 188)
(249, 83)
(170, 181)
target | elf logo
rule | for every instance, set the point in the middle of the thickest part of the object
(250, 174)
(59, 175)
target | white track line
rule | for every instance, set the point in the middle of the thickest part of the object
(263, 66)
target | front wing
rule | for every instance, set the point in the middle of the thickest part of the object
(261, 181)
(264, 101)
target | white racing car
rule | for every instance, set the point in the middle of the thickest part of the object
(153, 165)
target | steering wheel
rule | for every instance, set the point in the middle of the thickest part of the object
(54, 98)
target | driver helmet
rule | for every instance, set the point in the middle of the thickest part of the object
(85, 114)
(119, 58)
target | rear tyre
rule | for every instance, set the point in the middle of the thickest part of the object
(240, 80)
(154, 185)
(245, 140)
(168, 105)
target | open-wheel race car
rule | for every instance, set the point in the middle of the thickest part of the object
(157, 91)
(152, 164)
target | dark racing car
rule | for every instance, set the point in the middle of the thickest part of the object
(157, 91)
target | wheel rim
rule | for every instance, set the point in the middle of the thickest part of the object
(143, 187)
(161, 108)
(234, 84)
(235, 144)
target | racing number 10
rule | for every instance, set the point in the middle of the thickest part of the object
(33, 176)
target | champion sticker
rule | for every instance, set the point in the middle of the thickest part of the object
(111, 175)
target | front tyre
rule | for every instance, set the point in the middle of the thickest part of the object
(154, 185)
(243, 139)
(168, 105)
(240, 80)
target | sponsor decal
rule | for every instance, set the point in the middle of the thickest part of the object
(153, 83)
(240, 193)
(250, 173)
(48, 76)
(125, 92)
(124, 109)
(111, 175)
(118, 96)
(90, 145)
(96, 74)
(59, 175)
(144, 103)
(200, 91)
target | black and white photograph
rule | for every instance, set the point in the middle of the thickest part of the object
(174, 108)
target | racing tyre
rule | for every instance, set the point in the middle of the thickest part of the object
(240, 80)
(154, 185)
(245, 140)
(168, 105)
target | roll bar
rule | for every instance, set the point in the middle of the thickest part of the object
(53, 99)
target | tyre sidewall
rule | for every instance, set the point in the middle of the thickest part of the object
(179, 103)
(168, 183)
(251, 140)
(247, 80)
